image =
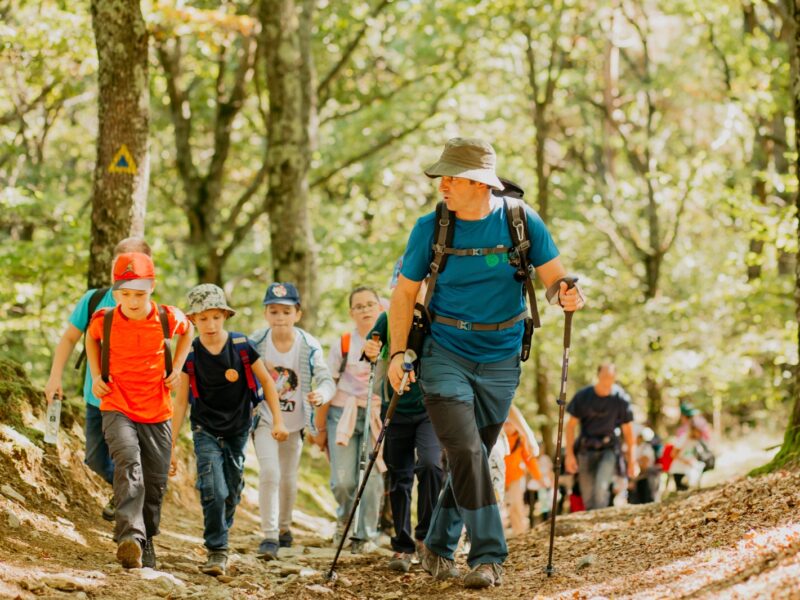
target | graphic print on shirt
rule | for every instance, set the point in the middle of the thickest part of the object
(286, 382)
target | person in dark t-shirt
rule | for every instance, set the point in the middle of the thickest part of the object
(219, 377)
(600, 409)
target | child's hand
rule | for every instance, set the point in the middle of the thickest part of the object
(173, 462)
(172, 380)
(52, 388)
(279, 432)
(314, 398)
(321, 440)
(372, 348)
(100, 388)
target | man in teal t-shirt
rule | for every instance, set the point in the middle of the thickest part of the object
(97, 456)
(469, 377)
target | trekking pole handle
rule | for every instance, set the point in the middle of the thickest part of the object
(570, 280)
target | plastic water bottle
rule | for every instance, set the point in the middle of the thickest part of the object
(53, 420)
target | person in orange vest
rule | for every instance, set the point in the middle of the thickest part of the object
(520, 460)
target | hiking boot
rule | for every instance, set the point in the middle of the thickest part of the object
(337, 537)
(268, 549)
(109, 510)
(438, 566)
(216, 563)
(148, 554)
(483, 576)
(285, 539)
(401, 561)
(129, 553)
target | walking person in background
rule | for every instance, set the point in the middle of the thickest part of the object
(599, 409)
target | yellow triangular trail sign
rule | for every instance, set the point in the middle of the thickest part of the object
(123, 162)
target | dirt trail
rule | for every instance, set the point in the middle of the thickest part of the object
(740, 539)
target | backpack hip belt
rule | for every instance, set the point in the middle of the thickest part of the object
(467, 326)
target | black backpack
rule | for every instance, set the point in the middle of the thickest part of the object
(516, 218)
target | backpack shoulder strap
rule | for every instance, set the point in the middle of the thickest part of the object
(518, 257)
(344, 345)
(240, 344)
(190, 370)
(94, 300)
(443, 232)
(105, 348)
(164, 318)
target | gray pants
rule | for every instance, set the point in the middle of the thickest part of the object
(141, 454)
(595, 473)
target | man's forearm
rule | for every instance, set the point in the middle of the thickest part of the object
(401, 313)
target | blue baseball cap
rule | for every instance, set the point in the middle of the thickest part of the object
(282, 293)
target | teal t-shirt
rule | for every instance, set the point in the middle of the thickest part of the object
(409, 403)
(477, 289)
(80, 318)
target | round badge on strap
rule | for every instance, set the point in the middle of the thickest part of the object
(232, 375)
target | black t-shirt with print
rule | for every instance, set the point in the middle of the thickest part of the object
(224, 408)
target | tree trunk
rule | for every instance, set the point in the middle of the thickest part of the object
(286, 30)
(655, 403)
(789, 454)
(121, 177)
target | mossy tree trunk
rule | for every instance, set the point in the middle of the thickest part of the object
(286, 31)
(121, 177)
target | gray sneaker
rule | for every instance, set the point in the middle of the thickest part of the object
(401, 561)
(438, 566)
(484, 575)
(216, 563)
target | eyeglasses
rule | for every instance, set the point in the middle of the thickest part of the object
(364, 307)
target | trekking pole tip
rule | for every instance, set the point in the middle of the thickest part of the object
(331, 576)
(549, 569)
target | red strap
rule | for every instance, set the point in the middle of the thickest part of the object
(192, 379)
(248, 369)
(345, 343)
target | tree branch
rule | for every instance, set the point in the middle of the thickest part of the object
(323, 89)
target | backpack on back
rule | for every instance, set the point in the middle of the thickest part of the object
(94, 300)
(443, 233)
(105, 349)
(240, 344)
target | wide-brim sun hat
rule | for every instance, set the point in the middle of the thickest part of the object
(469, 158)
(207, 296)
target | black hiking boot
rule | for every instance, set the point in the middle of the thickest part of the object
(285, 539)
(216, 563)
(148, 554)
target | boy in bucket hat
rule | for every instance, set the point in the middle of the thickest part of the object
(218, 376)
(470, 361)
(295, 360)
(133, 384)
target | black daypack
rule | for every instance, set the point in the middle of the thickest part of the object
(517, 220)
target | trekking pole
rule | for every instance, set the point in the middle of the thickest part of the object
(408, 366)
(562, 400)
(362, 460)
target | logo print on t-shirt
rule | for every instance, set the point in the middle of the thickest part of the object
(286, 384)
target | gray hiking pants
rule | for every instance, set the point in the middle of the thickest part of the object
(141, 454)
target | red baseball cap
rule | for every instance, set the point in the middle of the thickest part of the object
(134, 271)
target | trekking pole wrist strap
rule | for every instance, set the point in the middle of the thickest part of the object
(398, 353)
(552, 293)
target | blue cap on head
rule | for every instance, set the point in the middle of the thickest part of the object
(282, 293)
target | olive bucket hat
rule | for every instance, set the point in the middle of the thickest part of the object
(469, 158)
(205, 297)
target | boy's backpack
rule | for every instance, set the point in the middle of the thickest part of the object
(443, 232)
(240, 344)
(705, 455)
(105, 350)
(344, 346)
(94, 300)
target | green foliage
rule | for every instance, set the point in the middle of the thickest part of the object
(423, 72)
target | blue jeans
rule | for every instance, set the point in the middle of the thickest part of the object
(98, 458)
(595, 474)
(220, 479)
(344, 478)
(468, 403)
